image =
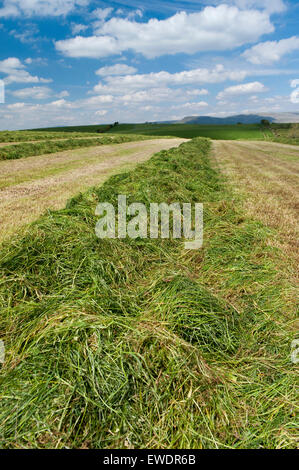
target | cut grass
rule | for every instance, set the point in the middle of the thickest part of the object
(13, 172)
(25, 136)
(13, 152)
(267, 175)
(132, 344)
(31, 186)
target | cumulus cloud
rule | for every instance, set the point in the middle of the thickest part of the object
(63, 94)
(295, 96)
(91, 47)
(271, 51)
(137, 13)
(37, 93)
(117, 69)
(16, 106)
(294, 83)
(214, 28)
(16, 8)
(102, 13)
(102, 112)
(196, 92)
(15, 72)
(243, 89)
(98, 100)
(157, 95)
(188, 77)
(78, 28)
(60, 104)
(191, 106)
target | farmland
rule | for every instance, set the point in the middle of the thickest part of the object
(285, 134)
(281, 133)
(27, 136)
(26, 149)
(190, 131)
(149, 231)
(141, 343)
(29, 186)
(187, 131)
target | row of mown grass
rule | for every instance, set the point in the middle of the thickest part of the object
(74, 129)
(13, 152)
(140, 343)
(25, 136)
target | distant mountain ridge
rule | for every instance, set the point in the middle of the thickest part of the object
(241, 118)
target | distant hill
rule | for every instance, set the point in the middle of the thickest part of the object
(242, 118)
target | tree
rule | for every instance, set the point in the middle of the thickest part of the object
(265, 123)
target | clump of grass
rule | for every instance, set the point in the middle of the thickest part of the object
(12, 152)
(285, 133)
(139, 343)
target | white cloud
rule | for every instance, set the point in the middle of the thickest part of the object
(295, 96)
(151, 95)
(77, 28)
(191, 106)
(135, 14)
(214, 28)
(271, 51)
(10, 64)
(36, 60)
(37, 93)
(97, 100)
(92, 47)
(294, 83)
(15, 72)
(63, 94)
(117, 69)
(102, 13)
(16, 8)
(188, 77)
(270, 6)
(195, 92)
(60, 104)
(102, 112)
(244, 89)
(16, 106)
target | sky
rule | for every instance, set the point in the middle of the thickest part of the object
(80, 62)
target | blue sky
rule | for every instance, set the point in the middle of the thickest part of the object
(70, 62)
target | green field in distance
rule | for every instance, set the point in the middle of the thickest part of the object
(225, 132)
